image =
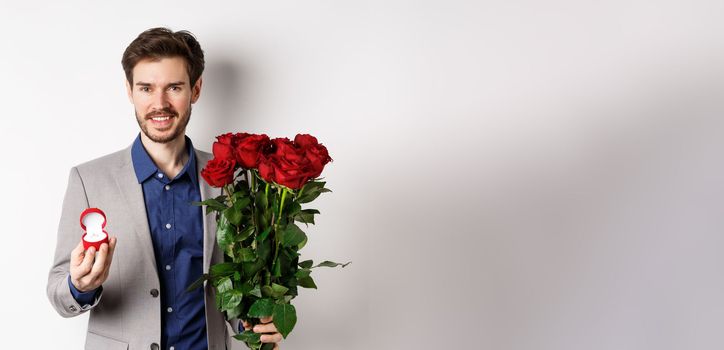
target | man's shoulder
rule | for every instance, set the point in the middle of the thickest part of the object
(107, 162)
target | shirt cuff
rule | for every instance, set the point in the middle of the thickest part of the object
(83, 298)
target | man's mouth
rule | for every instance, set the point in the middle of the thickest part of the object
(162, 120)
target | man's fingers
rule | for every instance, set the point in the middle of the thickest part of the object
(99, 266)
(271, 338)
(76, 256)
(265, 328)
(247, 326)
(87, 263)
(266, 319)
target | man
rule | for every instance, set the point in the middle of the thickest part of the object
(135, 285)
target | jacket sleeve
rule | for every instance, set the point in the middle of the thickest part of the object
(69, 233)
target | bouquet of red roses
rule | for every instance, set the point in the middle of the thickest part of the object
(265, 183)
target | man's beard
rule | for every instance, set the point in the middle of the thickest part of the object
(180, 129)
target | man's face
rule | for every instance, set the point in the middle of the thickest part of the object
(162, 96)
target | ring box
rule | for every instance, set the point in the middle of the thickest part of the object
(93, 222)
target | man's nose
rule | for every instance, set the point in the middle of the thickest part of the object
(160, 100)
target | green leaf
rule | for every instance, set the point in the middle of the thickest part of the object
(224, 232)
(230, 299)
(247, 254)
(256, 291)
(248, 337)
(306, 216)
(261, 200)
(311, 191)
(285, 317)
(277, 268)
(331, 264)
(302, 244)
(266, 291)
(306, 264)
(292, 235)
(223, 269)
(246, 233)
(198, 283)
(224, 285)
(233, 313)
(278, 290)
(267, 346)
(264, 234)
(307, 282)
(252, 267)
(302, 273)
(233, 215)
(294, 209)
(261, 308)
(263, 249)
(241, 203)
(212, 203)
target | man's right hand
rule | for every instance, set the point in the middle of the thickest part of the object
(88, 268)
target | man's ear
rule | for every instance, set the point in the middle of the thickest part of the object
(129, 91)
(196, 90)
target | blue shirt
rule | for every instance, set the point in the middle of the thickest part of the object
(178, 241)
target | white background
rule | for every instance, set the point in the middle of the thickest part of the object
(508, 174)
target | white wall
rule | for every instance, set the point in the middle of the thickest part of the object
(507, 175)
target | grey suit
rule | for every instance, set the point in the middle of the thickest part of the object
(127, 315)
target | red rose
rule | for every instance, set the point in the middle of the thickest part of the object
(226, 139)
(315, 152)
(219, 172)
(249, 149)
(285, 165)
(223, 151)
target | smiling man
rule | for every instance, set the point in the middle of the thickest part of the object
(134, 286)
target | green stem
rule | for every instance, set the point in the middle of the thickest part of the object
(281, 206)
(252, 180)
(276, 233)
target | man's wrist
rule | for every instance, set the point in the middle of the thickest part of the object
(83, 298)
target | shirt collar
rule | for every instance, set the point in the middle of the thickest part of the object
(144, 166)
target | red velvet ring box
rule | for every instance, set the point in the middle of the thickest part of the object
(93, 222)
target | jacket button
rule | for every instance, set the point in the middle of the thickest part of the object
(154, 346)
(154, 292)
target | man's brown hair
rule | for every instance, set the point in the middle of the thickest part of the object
(158, 43)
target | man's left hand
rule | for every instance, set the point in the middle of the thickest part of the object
(268, 330)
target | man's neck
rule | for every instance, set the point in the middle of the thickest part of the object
(169, 157)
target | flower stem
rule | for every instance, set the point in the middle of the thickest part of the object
(252, 180)
(281, 206)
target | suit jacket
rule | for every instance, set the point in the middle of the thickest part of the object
(128, 313)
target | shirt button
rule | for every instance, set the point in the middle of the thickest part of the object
(159, 175)
(168, 267)
(154, 292)
(72, 308)
(169, 310)
(168, 226)
(167, 187)
(172, 348)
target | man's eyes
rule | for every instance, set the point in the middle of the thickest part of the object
(171, 88)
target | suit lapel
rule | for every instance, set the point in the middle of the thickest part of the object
(132, 193)
(209, 220)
